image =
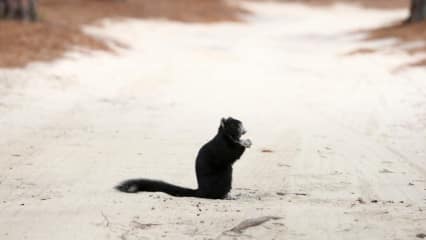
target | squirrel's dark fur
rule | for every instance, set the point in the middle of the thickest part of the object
(213, 166)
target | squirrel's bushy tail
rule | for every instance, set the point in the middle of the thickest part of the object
(147, 185)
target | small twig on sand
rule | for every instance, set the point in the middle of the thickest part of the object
(139, 225)
(291, 193)
(252, 222)
(107, 222)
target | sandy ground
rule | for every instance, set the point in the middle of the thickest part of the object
(348, 132)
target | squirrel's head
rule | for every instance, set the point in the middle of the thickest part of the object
(232, 127)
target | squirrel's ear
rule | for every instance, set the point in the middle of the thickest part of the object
(222, 122)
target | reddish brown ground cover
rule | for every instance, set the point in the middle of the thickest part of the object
(405, 33)
(399, 30)
(381, 4)
(60, 26)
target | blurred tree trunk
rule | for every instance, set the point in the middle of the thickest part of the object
(32, 10)
(417, 11)
(4, 8)
(19, 9)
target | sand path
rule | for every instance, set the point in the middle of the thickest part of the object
(349, 133)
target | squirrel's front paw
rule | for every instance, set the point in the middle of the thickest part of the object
(246, 143)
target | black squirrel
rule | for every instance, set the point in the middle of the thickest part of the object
(213, 166)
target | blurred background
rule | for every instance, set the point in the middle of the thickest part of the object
(32, 30)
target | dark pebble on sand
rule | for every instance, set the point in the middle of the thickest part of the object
(421, 235)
